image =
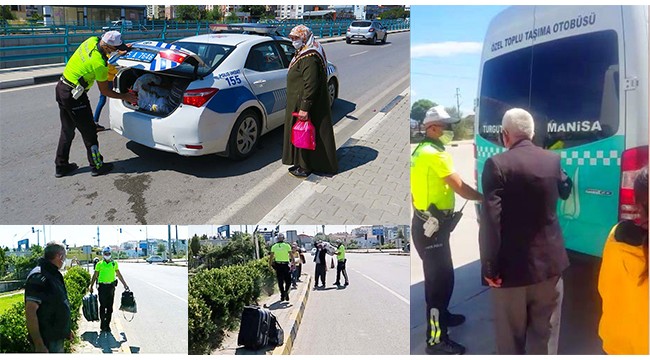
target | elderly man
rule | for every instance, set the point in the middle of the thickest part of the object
(433, 184)
(88, 64)
(47, 309)
(521, 244)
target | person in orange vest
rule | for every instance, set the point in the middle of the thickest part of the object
(623, 281)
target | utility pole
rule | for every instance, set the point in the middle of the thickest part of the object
(458, 102)
(169, 242)
(97, 235)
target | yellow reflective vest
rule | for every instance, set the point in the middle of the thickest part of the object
(623, 287)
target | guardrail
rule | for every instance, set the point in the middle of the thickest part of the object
(55, 44)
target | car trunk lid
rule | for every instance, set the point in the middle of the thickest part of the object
(160, 57)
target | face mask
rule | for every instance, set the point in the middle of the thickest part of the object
(107, 257)
(297, 44)
(62, 264)
(447, 137)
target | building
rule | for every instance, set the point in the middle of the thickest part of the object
(297, 12)
(155, 12)
(91, 14)
(349, 11)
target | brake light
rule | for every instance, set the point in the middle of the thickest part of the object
(173, 56)
(371, 29)
(632, 161)
(349, 29)
(194, 147)
(198, 97)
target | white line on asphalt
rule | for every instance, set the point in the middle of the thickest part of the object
(176, 296)
(26, 87)
(363, 52)
(224, 215)
(382, 286)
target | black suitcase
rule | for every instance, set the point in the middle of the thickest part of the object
(90, 307)
(254, 328)
(276, 333)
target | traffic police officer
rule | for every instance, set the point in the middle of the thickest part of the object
(47, 309)
(106, 272)
(88, 64)
(340, 266)
(433, 183)
(280, 261)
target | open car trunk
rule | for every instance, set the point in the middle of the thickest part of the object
(166, 97)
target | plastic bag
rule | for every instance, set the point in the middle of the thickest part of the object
(303, 134)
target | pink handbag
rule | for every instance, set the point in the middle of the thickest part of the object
(303, 134)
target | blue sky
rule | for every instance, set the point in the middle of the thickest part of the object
(446, 45)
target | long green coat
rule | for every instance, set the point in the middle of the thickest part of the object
(307, 91)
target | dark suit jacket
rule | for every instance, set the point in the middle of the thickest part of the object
(520, 238)
(320, 253)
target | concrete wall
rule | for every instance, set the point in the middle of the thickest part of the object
(10, 285)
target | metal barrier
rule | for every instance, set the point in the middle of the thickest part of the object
(62, 41)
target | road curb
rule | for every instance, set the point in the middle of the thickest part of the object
(124, 348)
(342, 38)
(296, 318)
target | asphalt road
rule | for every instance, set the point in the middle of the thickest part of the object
(580, 307)
(149, 186)
(369, 317)
(160, 325)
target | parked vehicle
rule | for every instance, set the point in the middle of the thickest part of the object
(155, 258)
(117, 25)
(222, 91)
(369, 31)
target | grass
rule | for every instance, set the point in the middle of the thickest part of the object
(7, 301)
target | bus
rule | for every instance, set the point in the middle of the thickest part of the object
(582, 72)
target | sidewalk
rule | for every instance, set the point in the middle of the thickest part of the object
(40, 74)
(289, 316)
(92, 341)
(372, 186)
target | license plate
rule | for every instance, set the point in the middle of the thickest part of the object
(140, 56)
(358, 36)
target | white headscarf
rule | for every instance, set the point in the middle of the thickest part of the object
(310, 46)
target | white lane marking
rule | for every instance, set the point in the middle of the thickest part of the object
(363, 52)
(27, 87)
(384, 287)
(161, 289)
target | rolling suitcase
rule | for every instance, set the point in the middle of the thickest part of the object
(254, 328)
(90, 307)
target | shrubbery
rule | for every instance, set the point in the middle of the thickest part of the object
(217, 298)
(13, 327)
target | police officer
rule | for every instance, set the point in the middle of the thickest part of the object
(433, 184)
(281, 260)
(106, 272)
(88, 64)
(340, 266)
(47, 309)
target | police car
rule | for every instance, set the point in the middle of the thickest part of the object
(207, 94)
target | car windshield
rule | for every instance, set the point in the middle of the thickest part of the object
(211, 54)
(360, 24)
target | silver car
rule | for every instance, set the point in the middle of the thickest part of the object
(369, 31)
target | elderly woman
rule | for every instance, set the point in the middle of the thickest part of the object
(307, 95)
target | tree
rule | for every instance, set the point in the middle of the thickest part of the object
(4, 261)
(6, 14)
(419, 109)
(394, 13)
(195, 245)
(232, 17)
(254, 10)
(161, 249)
(215, 14)
(187, 12)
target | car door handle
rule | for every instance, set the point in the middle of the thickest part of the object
(259, 82)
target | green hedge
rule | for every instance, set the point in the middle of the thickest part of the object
(13, 327)
(217, 297)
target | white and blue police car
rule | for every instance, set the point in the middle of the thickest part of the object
(219, 92)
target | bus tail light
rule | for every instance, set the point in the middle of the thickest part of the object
(632, 161)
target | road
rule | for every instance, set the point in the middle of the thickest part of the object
(150, 186)
(160, 325)
(369, 317)
(580, 308)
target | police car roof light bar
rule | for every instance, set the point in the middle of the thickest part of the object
(244, 28)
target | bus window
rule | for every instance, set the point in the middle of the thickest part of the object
(570, 86)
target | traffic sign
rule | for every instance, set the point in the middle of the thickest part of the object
(378, 230)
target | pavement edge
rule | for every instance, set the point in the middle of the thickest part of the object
(296, 318)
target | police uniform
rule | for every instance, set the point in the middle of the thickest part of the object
(281, 257)
(45, 287)
(107, 282)
(87, 64)
(430, 164)
(340, 267)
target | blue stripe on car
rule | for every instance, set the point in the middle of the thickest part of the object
(228, 100)
(274, 100)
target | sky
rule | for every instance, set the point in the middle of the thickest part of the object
(302, 229)
(77, 235)
(446, 45)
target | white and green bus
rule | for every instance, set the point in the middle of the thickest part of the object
(582, 72)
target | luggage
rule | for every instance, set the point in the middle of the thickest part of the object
(128, 302)
(255, 327)
(276, 333)
(90, 307)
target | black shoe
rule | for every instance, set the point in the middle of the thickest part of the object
(64, 170)
(286, 297)
(99, 127)
(446, 347)
(292, 168)
(337, 284)
(455, 319)
(104, 169)
(300, 172)
(346, 284)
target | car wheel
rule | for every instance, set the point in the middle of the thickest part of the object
(374, 40)
(347, 41)
(245, 135)
(332, 89)
(383, 41)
